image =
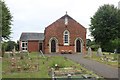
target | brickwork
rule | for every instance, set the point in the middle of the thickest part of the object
(33, 46)
(56, 30)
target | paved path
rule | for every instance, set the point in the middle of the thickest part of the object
(98, 68)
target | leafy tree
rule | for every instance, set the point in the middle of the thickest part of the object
(5, 24)
(88, 42)
(94, 46)
(116, 44)
(105, 25)
(10, 45)
(6, 21)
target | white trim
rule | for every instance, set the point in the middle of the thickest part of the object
(81, 41)
(24, 46)
(53, 38)
(66, 44)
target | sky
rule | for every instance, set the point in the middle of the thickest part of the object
(35, 15)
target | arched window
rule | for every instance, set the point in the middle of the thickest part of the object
(66, 37)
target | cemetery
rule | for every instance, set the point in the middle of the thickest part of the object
(108, 58)
(65, 48)
(36, 65)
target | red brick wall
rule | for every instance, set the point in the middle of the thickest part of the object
(56, 30)
(33, 46)
(66, 48)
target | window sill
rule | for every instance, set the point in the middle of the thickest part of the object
(66, 44)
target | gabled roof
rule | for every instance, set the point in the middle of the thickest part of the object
(66, 15)
(69, 17)
(31, 36)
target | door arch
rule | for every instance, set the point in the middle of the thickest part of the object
(53, 45)
(78, 45)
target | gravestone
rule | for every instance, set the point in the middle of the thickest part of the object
(69, 76)
(99, 52)
(52, 74)
(41, 53)
(115, 51)
(89, 52)
(13, 51)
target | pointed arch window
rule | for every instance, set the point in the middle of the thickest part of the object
(66, 37)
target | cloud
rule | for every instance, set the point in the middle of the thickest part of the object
(34, 16)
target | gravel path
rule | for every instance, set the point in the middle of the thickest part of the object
(98, 68)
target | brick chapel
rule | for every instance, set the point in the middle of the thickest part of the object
(65, 35)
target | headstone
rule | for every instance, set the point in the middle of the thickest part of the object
(69, 75)
(115, 51)
(41, 53)
(99, 52)
(14, 50)
(89, 52)
(53, 75)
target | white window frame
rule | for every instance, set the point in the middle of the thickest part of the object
(64, 34)
(25, 46)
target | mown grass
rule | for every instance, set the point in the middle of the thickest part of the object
(111, 55)
(44, 66)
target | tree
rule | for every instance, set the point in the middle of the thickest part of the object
(6, 21)
(88, 42)
(5, 24)
(116, 44)
(10, 46)
(94, 46)
(105, 25)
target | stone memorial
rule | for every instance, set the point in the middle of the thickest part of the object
(13, 51)
(99, 52)
(115, 51)
(41, 53)
(89, 52)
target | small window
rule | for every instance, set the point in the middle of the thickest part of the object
(66, 21)
(66, 37)
(24, 45)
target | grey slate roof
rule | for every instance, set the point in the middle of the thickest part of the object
(31, 36)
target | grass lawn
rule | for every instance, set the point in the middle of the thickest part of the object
(44, 65)
(111, 56)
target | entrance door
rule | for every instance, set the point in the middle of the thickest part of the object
(40, 46)
(78, 46)
(53, 46)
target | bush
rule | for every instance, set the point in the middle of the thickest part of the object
(94, 47)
